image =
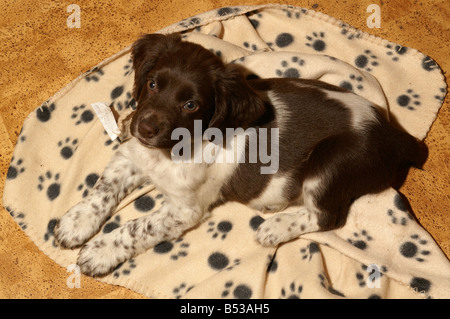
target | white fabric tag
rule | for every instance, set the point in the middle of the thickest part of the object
(106, 116)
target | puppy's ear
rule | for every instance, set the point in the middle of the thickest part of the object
(236, 103)
(145, 53)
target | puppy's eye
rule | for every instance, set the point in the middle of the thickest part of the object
(190, 106)
(152, 84)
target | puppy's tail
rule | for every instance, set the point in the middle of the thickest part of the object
(411, 151)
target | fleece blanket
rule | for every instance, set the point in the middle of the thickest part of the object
(381, 252)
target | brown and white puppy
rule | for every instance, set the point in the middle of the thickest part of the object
(327, 147)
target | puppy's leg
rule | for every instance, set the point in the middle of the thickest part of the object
(100, 256)
(283, 227)
(84, 220)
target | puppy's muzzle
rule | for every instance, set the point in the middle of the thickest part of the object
(148, 129)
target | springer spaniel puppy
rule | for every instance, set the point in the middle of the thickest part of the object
(331, 147)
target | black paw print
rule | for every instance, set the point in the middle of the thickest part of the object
(253, 47)
(81, 114)
(316, 42)
(409, 100)
(88, 184)
(252, 17)
(309, 251)
(18, 217)
(124, 268)
(15, 168)
(293, 292)
(366, 61)
(349, 32)
(44, 112)
(128, 67)
(54, 188)
(50, 231)
(166, 246)
(441, 95)
(293, 14)
(289, 71)
(181, 290)
(238, 292)
(128, 103)
(108, 142)
(222, 229)
(94, 74)
(369, 274)
(111, 224)
(354, 83)
(218, 53)
(68, 147)
(396, 219)
(395, 51)
(360, 240)
(415, 248)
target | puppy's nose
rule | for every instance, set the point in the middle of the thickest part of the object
(147, 129)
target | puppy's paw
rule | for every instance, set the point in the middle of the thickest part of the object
(277, 229)
(102, 255)
(76, 226)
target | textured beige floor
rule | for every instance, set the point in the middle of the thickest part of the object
(40, 55)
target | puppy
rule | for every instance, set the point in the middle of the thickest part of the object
(328, 147)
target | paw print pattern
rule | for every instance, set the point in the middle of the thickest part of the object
(366, 61)
(221, 230)
(253, 47)
(220, 261)
(409, 100)
(293, 292)
(88, 184)
(178, 246)
(239, 292)
(416, 248)
(67, 147)
(400, 220)
(128, 67)
(395, 51)
(50, 231)
(353, 84)
(54, 188)
(111, 224)
(309, 251)
(288, 71)
(18, 217)
(360, 240)
(109, 143)
(129, 102)
(441, 96)
(15, 168)
(94, 75)
(349, 32)
(44, 112)
(124, 269)
(293, 14)
(181, 290)
(363, 277)
(81, 114)
(316, 42)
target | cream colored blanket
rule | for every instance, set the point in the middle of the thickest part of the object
(381, 252)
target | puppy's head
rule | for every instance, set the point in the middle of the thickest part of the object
(177, 82)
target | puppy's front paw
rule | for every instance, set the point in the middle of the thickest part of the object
(76, 226)
(276, 229)
(102, 255)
